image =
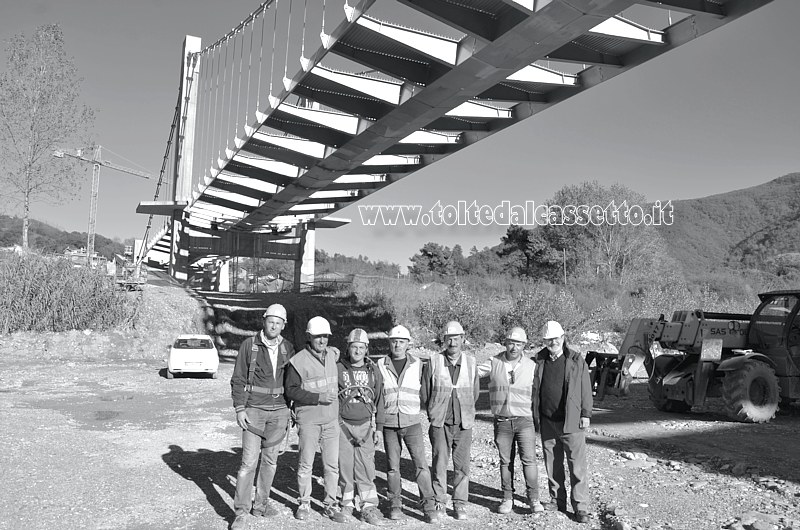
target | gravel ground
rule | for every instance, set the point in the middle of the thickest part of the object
(94, 436)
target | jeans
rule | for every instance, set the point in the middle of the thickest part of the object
(357, 466)
(274, 424)
(556, 444)
(392, 440)
(327, 436)
(509, 435)
(444, 440)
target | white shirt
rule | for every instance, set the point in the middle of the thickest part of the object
(273, 352)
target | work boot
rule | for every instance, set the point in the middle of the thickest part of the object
(536, 506)
(396, 513)
(302, 512)
(433, 516)
(505, 506)
(439, 508)
(347, 511)
(239, 523)
(267, 510)
(582, 517)
(461, 512)
(371, 515)
(335, 514)
(553, 506)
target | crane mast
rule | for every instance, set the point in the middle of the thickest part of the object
(96, 161)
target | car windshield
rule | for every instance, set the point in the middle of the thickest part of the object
(193, 344)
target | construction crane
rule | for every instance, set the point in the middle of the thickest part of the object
(96, 161)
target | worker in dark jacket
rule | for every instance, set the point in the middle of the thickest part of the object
(359, 388)
(261, 412)
(562, 406)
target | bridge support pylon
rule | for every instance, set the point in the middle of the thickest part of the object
(304, 262)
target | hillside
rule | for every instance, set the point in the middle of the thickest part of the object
(742, 227)
(48, 239)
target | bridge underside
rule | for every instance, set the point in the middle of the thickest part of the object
(380, 100)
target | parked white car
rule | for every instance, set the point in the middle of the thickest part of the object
(193, 354)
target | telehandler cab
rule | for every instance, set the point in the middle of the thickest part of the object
(751, 361)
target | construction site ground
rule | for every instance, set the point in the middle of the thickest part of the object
(95, 436)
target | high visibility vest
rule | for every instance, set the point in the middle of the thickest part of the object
(442, 390)
(319, 379)
(512, 399)
(401, 396)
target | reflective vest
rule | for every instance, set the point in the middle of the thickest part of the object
(318, 379)
(511, 399)
(442, 390)
(401, 397)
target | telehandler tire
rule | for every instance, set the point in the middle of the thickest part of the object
(751, 393)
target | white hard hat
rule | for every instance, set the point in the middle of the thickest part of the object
(399, 332)
(453, 328)
(517, 334)
(551, 330)
(318, 326)
(276, 310)
(358, 335)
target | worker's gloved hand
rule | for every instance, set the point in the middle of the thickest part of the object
(584, 424)
(376, 437)
(241, 420)
(336, 353)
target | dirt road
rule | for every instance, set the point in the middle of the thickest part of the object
(117, 445)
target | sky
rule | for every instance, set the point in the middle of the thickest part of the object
(718, 114)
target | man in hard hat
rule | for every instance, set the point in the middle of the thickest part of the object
(450, 389)
(510, 376)
(312, 386)
(261, 412)
(562, 406)
(399, 405)
(359, 386)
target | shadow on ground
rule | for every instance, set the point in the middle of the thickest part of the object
(233, 317)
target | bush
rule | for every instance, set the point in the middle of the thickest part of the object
(475, 315)
(539, 302)
(43, 293)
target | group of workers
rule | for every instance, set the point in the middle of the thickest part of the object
(343, 405)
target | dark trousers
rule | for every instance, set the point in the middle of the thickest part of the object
(556, 445)
(447, 440)
(509, 435)
(392, 444)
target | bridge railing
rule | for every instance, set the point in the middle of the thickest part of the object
(242, 77)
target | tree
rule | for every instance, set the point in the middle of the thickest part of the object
(614, 248)
(433, 259)
(535, 256)
(39, 113)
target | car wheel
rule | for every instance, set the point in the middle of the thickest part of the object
(170, 375)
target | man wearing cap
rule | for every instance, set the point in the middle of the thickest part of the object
(399, 405)
(261, 412)
(510, 376)
(562, 406)
(312, 386)
(359, 386)
(450, 389)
